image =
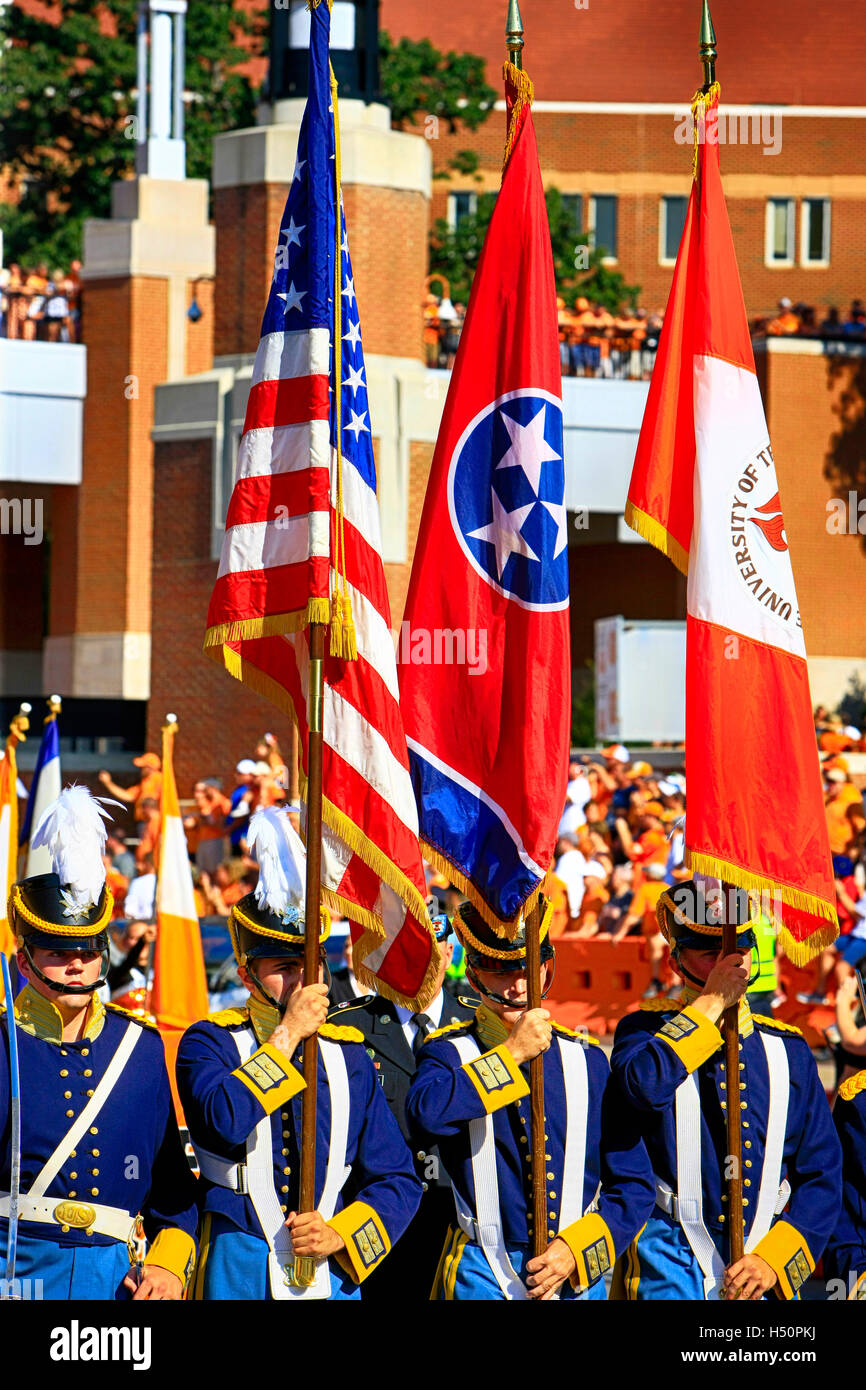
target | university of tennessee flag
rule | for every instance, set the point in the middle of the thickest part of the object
(704, 491)
(179, 996)
(303, 544)
(485, 654)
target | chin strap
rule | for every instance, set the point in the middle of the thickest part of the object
(500, 998)
(281, 1008)
(56, 985)
(681, 970)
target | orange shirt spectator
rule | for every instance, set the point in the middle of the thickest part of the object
(844, 812)
(786, 321)
(644, 903)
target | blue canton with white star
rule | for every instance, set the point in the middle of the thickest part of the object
(507, 497)
(302, 291)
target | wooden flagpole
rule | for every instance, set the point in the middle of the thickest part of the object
(708, 53)
(514, 50)
(304, 1270)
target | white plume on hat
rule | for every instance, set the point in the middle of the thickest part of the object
(73, 831)
(282, 861)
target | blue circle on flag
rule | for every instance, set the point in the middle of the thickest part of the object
(506, 497)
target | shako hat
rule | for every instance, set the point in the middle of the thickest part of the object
(693, 914)
(70, 908)
(271, 920)
(484, 946)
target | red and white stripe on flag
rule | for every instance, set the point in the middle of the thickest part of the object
(704, 491)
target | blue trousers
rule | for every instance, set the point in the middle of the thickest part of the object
(465, 1275)
(659, 1265)
(234, 1265)
(46, 1270)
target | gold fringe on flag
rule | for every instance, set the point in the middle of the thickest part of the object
(703, 100)
(508, 929)
(657, 535)
(318, 610)
(525, 94)
(800, 953)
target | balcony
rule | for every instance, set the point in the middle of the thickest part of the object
(42, 391)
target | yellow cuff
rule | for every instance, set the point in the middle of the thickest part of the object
(788, 1255)
(692, 1036)
(496, 1077)
(366, 1239)
(173, 1250)
(591, 1244)
(271, 1077)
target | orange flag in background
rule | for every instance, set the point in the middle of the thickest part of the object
(179, 995)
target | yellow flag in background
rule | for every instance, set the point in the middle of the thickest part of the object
(179, 995)
(9, 823)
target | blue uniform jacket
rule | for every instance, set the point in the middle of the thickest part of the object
(445, 1094)
(224, 1100)
(846, 1253)
(657, 1047)
(131, 1157)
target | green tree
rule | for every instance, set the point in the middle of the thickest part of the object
(419, 82)
(579, 269)
(67, 111)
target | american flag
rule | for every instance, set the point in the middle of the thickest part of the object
(279, 566)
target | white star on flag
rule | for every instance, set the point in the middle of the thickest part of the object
(353, 337)
(344, 244)
(529, 448)
(503, 533)
(293, 298)
(349, 291)
(356, 424)
(291, 233)
(355, 379)
(299, 164)
(557, 511)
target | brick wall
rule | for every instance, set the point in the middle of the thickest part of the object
(198, 356)
(388, 242)
(220, 720)
(815, 408)
(127, 357)
(610, 578)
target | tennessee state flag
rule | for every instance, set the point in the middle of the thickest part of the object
(704, 491)
(484, 651)
(179, 997)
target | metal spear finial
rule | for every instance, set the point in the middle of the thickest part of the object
(514, 34)
(707, 51)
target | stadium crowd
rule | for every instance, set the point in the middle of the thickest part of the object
(41, 306)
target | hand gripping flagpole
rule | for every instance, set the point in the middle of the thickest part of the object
(514, 49)
(707, 52)
(15, 1136)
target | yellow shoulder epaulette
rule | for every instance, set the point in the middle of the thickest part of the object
(853, 1085)
(658, 1005)
(764, 1022)
(136, 1018)
(579, 1033)
(341, 1034)
(225, 1018)
(449, 1028)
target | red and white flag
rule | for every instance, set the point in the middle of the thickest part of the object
(704, 491)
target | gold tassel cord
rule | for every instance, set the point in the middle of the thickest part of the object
(439, 861)
(699, 103)
(525, 96)
(344, 642)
